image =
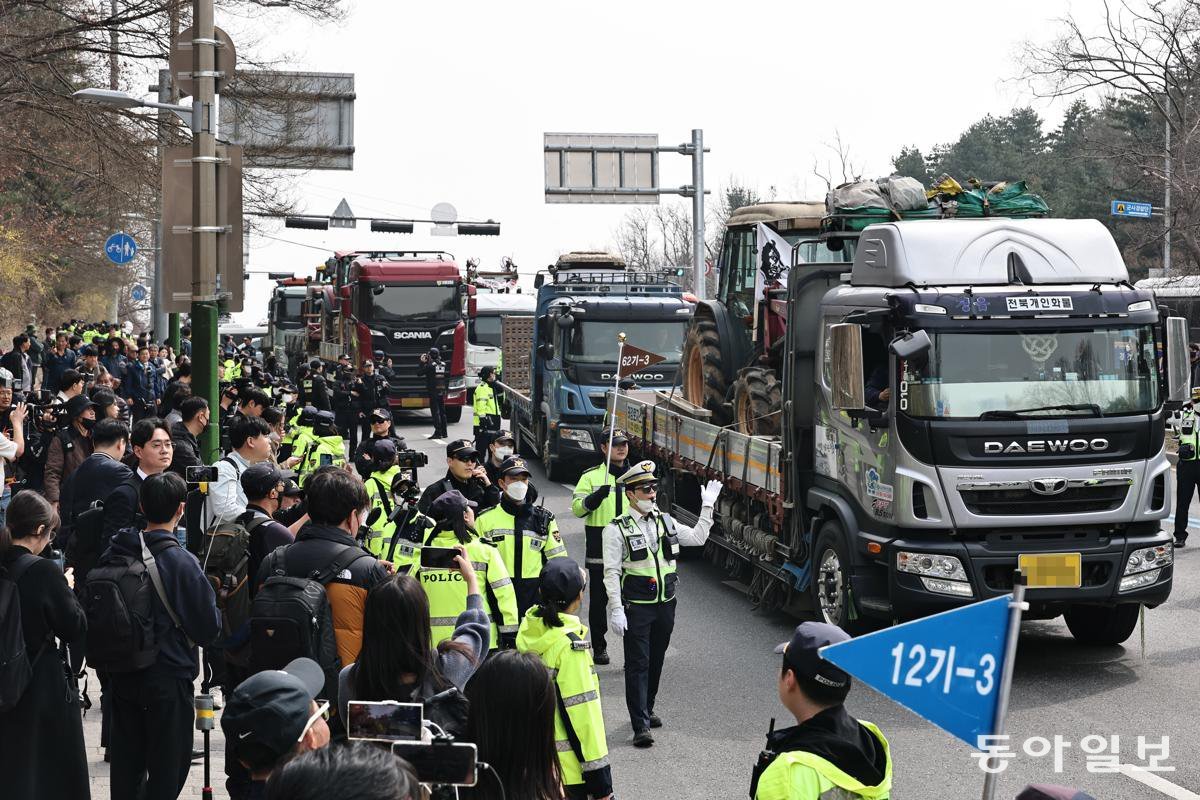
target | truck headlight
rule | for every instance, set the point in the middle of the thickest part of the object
(457, 383)
(1131, 582)
(583, 438)
(1144, 566)
(939, 573)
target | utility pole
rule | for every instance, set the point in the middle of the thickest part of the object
(157, 319)
(698, 212)
(204, 218)
(173, 24)
(1167, 199)
(113, 84)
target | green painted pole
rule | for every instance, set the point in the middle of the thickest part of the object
(204, 373)
(173, 335)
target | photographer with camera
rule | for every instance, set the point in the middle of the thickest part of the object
(435, 372)
(464, 474)
(381, 430)
(88, 364)
(11, 449)
(17, 362)
(70, 445)
(345, 404)
(400, 540)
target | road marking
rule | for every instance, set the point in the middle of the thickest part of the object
(567, 486)
(1154, 781)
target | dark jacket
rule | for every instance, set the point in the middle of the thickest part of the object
(62, 460)
(263, 540)
(95, 479)
(187, 450)
(343, 384)
(838, 738)
(43, 754)
(14, 362)
(876, 383)
(190, 595)
(116, 366)
(53, 367)
(372, 391)
(140, 382)
(122, 507)
(435, 373)
(36, 349)
(485, 496)
(363, 460)
(316, 545)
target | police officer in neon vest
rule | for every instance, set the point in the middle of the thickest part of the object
(640, 548)
(486, 409)
(407, 528)
(827, 753)
(599, 501)
(327, 448)
(552, 631)
(501, 447)
(379, 490)
(526, 535)
(1187, 471)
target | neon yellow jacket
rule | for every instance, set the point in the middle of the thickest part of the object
(797, 775)
(447, 591)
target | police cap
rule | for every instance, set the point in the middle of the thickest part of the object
(514, 465)
(803, 653)
(639, 474)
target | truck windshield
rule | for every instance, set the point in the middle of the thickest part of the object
(287, 311)
(407, 303)
(1032, 374)
(485, 331)
(595, 341)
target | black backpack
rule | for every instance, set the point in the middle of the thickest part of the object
(85, 539)
(290, 617)
(225, 559)
(16, 667)
(119, 604)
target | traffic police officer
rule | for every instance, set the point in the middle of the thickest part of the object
(327, 448)
(827, 753)
(379, 487)
(640, 548)
(486, 410)
(553, 632)
(447, 594)
(1187, 476)
(599, 501)
(526, 535)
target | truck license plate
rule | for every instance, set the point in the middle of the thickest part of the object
(413, 402)
(1052, 570)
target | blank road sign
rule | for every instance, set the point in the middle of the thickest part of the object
(601, 167)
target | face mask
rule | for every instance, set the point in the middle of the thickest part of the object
(503, 453)
(517, 491)
(644, 505)
(87, 424)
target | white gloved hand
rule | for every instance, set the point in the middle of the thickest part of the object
(617, 622)
(710, 493)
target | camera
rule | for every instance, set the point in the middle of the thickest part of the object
(411, 459)
(201, 474)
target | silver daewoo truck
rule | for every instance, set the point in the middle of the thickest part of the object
(973, 396)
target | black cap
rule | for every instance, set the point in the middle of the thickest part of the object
(89, 350)
(269, 710)
(384, 450)
(381, 414)
(315, 364)
(344, 356)
(259, 479)
(433, 351)
(514, 465)
(561, 580)
(291, 488)
(803, 653)
(618, 437)
(461, 448)
(378, 355)
(486, 373)
(503, 435)
(78, 404)
(451, 502)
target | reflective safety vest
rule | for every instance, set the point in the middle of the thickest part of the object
(88, 335)
(648, 567)
(1189, 418)
(379, 489)
(447, 591)
(484, 402)
(799, 775)
(612, 507)
(578, 718)
(406, 553)
(233, 369)
(331, 449)
(525, 548)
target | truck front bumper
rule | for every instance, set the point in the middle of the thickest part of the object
(989, 564)
(577, 443)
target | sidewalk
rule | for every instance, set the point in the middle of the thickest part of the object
(98, 770)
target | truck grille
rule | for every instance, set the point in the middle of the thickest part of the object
(1022, 500)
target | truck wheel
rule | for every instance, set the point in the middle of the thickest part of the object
(757, 402)
(831, 580)
(1102, 624)
(523, 446)
(453, 413)
(703, 381)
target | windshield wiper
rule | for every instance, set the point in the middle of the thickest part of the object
(1005, 413)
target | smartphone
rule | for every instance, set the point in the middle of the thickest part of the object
(386, 721)
(201, 474)
(439, 557)
(440, 764)
(326, 459)
(57, 557)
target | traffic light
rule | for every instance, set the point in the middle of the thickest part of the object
(391, 226)
(307, 223)
(488, 228)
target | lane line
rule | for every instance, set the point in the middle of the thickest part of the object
(1157, 782)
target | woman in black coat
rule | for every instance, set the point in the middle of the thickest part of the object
(41, 738)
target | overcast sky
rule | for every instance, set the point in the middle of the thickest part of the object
(453, 99)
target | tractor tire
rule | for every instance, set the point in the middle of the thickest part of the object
(704, 382)
(757, 402)
(1101, 625)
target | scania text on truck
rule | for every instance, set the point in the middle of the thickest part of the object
(972, 397)
(557, 374)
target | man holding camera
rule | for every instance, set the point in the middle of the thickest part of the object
(371, 392)
(435, 372)
(465, 474)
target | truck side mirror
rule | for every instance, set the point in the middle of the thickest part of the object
(546, 350)
(911, 344)
(566, 321)
(846, 367)
(1179, 373)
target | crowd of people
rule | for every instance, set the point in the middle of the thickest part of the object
(305, 572)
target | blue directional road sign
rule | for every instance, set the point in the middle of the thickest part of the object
(138, 292)
(120, 248)
(945, 668)
(1125, 208)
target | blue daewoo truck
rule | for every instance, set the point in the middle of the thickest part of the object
(559, 364)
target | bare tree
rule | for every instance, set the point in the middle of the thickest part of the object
(840, 162)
